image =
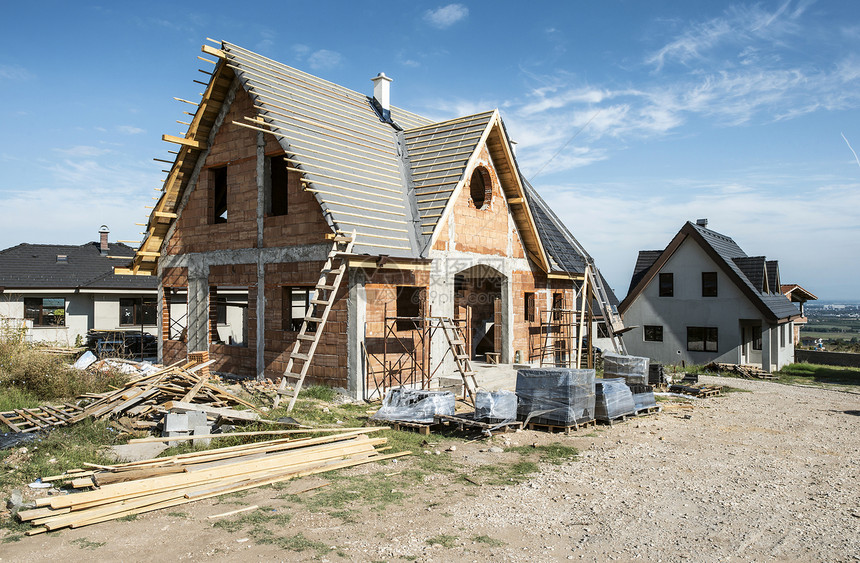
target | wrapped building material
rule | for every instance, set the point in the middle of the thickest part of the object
(555, 396)
(657, 374)
(496, 406)
(633, 369)
(613, 399)
(643, 396)
(415, 405)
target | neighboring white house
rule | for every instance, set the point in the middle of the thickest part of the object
(59, 292)
(702, 299)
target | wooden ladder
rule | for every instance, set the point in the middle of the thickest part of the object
(614, 324)
(457, 344)
(316, 315)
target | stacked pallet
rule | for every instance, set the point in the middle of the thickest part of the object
(177, 387)
(143, 486)
(745, 371)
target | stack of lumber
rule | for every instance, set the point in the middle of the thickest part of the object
(745, 371)
(181, 388)
(143, 486)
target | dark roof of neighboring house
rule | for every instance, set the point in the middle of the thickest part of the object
(748, 273)
(644, 261)
(34, 266)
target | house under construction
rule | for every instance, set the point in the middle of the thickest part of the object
(307, 229)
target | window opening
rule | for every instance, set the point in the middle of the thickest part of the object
(296, 301)
(709, 284)
(45, 311)
(136, 311)
(667, 285)
(701, 339)
(480, 187)
(277, 185)
(219, 194)
(409, 306)
(653, 333)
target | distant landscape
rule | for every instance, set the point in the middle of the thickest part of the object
(836, 323)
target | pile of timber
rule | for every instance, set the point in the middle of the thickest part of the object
(143, 486)
(745, 371)
(178, 388)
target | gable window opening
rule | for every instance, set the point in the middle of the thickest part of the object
(709, 284)
(702, 339)
(137, 311)
(653, 333)
(409, 299)
(295, 303)
(667, 285)
(218, 184)
(480, 187)
(277, 185)
(45, 311)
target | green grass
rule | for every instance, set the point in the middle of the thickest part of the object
(812, 374)
(254, 519)
(444, 540)
(84, 543)
(487, 540)
(70, 447)
(555, 453)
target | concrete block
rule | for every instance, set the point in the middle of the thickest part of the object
(196, 418)
(175, 422)
(172, 433)
(201, 431)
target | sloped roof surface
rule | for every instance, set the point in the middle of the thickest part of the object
(778, 305)
(753, 269)
(564, 250)
(772, 268)
(33, 266)
(438, 155)
(644, 261)
(349, 158)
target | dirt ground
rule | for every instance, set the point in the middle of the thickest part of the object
(767, 475)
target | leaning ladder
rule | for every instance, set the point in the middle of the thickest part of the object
(317, 313)
(457, 344)
(614, 324)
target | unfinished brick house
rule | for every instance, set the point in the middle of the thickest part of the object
(278, 168)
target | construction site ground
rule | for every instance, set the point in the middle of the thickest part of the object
(770, 473)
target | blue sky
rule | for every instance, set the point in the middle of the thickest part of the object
(630, 117)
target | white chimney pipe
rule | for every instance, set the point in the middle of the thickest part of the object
(380, 91)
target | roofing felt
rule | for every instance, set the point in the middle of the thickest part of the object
(33, 266)
(565, 252)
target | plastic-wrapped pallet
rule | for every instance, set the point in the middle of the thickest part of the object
(614, 399)
(634, 369)
(415, 405)
(643, 396)
(555, 396)
(495, 406)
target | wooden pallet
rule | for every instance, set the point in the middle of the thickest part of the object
(465, 422)
(747, 371)
(39, 418)
(613, 421)
(553, 428)
(701, 391)
(648, 410)
(422, 428)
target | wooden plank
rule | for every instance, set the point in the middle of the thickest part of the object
(256, 433)
(213, 411)
(191, 143)
(14, 427)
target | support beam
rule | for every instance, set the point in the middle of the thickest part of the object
(199, 145)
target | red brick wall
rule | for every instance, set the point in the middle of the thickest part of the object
(485, 230)
(239, 360)
(527, 334)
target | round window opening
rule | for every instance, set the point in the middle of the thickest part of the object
(480, 187)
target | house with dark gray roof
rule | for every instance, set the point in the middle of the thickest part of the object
(58, 292)
(277, 165)
(703, 299)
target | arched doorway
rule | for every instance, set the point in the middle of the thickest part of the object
(478, 301)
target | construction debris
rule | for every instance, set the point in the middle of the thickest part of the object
(745, 371)
(138, 487)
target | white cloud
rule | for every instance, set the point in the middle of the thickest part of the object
(798, 230)
(130, 130)
(446, 16)
(14, 73)
(82, 151)
(324, 59)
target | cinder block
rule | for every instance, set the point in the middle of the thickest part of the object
(201, 431)
(173, 433)
(175, 422)
(195, 419)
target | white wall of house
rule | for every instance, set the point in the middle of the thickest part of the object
(84, 311)
(727, 312)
